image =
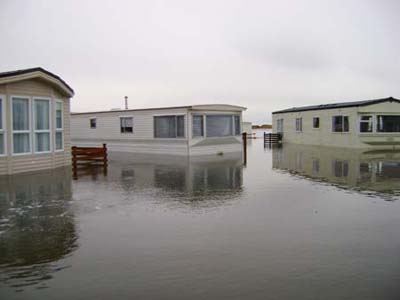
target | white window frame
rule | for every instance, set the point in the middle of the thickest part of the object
(34, 130)
(133, 125)
(62, 125)
(279, 125)
(29, 131)
(299, 121)
(234, 125)
(221, 114)
(362, 121)
(3, 129)
(90, 123)
(204, 129)
(185, 124)
(340, 132)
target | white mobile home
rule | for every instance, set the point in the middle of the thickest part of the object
(34, 121)
(361, 124)
(183, 130)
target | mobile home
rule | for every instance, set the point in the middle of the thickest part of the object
(34, 121)
(184, 130)
(367, 124)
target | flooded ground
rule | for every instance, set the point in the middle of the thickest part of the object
(295, 223)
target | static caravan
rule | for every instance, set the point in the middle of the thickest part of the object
(184, 130)
(34, 121)
(373, 124)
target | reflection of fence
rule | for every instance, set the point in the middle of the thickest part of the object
(272, 138)
(88, 157)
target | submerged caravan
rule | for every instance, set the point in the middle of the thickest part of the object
(369, 124)
(184, 130)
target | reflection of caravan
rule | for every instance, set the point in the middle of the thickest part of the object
(362, 124)
(377, 170)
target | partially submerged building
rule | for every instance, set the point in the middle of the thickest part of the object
(184, 130)
(34, 121)
(359, 124)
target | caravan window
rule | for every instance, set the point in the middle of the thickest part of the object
(169, 126)
(126, 124)
(387, 123)
(41, 117)
(59, 131)
(366, 124)
(198, 126)
(21, 137)
(237, 125)
(219, 125)
(2, 133)
(93, 123)
(340, 124)
(299, 124)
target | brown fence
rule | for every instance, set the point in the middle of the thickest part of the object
(89, 156)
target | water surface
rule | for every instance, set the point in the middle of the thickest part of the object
(283, 227)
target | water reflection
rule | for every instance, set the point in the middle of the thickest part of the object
(37, 228)
(368, 171)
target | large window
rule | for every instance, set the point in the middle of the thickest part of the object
(299, 124)
(340, 124)
(41, 117)
(386, 123)
(198, 126)
(21, 135)
(219, 125)
(169, 127)
(2, 127)
(366, 124)
(59, 128)
(126, 124)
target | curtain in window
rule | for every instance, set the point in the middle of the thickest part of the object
(219, 126)
(21, 143)
(42, 142)
(20, 108)
(1, 143)
(237, 125)
(164, 127)
(59, 140)
(197, 126)
(42, 110)
(58, 115)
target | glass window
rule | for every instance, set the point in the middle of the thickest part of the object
(340, 124)
(2, 134)
(316, 122)
(92, 123)
(279, 126)
(169, 127)
(126, 124)
(41, 110)
(219, 125)
(237, 125)
(20, 125)
(198, 126)
(59, 112)
(59, 140)
(299, 124)
(366, 124)
(387, 123)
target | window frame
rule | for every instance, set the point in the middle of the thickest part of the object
(279, 125)
(372, 121)
(29, 131)
(232, 127)
(176, 126)
(377, 115)
(348, 122)
(319, 123)
(3, 129)
(95, 123)
(61, 129)
(126, 117)
(203, 126)
(34, 130)
(299, 121)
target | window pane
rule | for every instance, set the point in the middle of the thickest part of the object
(42, 142)
(20, 113)
(346, 124)
(42, 110)
(126, 125)
(92, 123)
(1, 143)
(365, 127)
(164, 127)
(315, 122)
(180, 122)
(237, 125)
(21, 143)
(1, 113)
(59, 109)
(388, 124)
(218, 126)
(198, 126)
(337, 124)
(59, 140)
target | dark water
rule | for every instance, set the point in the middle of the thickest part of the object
(295, 223)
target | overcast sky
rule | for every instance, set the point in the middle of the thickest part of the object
(265, 55)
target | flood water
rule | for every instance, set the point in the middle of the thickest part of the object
(295, 223)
